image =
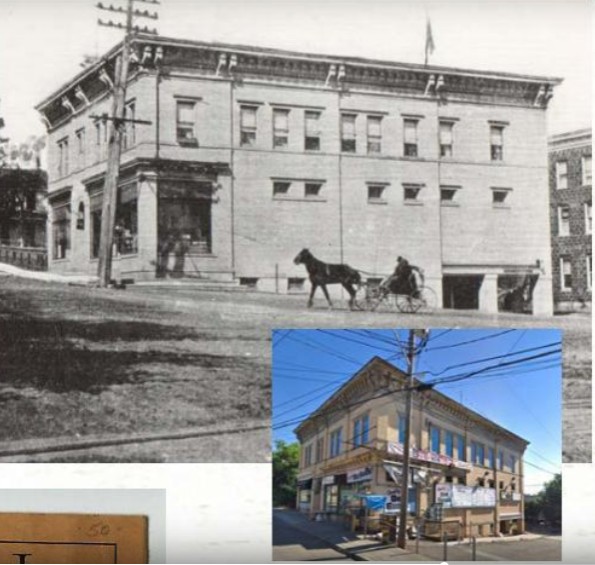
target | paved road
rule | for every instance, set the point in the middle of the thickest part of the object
(291, 544)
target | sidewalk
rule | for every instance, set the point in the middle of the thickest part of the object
(6, 269)
(348, 543)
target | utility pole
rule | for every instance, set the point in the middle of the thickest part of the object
(110, 188)
(402, 535)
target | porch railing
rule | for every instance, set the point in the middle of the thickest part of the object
(32, 258)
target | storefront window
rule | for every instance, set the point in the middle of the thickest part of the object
(61, 231)
(331, 498)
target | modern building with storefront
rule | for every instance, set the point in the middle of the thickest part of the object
(252, 154)
(466, 471)
(570, 206)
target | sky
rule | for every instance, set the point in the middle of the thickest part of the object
(309, 365)
(42, 42)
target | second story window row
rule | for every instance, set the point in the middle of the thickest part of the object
(361, 431)
(335, 442)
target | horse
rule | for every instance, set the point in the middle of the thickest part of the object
(322, 274)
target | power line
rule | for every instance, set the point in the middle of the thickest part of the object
(492, 336)
(505, 355)
(339, 336)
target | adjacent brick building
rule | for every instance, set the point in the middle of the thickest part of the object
(571, 199)
(466, 471)
(253, 154)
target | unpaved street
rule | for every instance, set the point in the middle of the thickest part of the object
(78, 362)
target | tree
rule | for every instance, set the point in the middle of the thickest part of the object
(551, 500)
(286, 457)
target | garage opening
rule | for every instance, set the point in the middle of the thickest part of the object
(461, 292)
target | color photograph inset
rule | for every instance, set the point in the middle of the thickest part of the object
(466, 422)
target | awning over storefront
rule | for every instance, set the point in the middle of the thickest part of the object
(304, 484)
(515, 516)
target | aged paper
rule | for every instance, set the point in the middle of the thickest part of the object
(73, 538)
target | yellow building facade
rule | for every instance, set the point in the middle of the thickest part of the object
(466, 472)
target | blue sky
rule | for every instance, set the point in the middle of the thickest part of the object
(308, 365)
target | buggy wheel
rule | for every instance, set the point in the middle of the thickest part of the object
(384, 302)
(409, 304)
(428, 298)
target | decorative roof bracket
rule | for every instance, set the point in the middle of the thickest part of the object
(539, 96)
(332, 73)
(80, 94)
(430, 84)
(105, 78)
(66, 103)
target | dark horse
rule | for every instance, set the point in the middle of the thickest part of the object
(322, 274)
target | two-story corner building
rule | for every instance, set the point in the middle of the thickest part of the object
(253, 154)
(466, 471)
(570, 201)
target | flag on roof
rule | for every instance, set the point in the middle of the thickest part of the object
(429, 40)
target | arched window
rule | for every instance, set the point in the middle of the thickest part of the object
(80, 217)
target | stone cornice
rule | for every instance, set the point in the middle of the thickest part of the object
(243, 63)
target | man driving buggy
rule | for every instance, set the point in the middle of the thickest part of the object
(403, 280)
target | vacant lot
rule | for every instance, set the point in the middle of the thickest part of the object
(78, 362)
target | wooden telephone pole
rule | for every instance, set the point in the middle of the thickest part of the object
(117, 119)
(402, 533)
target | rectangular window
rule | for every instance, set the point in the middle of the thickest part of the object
(589, 271)
(312, 130)
(563, 220)
(446, 139)
(497, 143)
(477, 453)
(61, 231)
(248, 126)
(129, 132)
(434, 439)
(449, 443)
(411, 192)
(186, 122)
(281, 188)
(312, 189)
(501, 461)
(335, 447)
(561, 175)
(63, 157)
(348, 142)
(126, 227)
(402, 428)
(319, 449)
(308, 456)
(361, 431)
(80, 146)
(491, 460)
(513, 464)
(448, 194)
(376, 193)
(500, 196)
(98, 141)
(588, 219)
(461, 455)
(374, 134)
(565, 273)
(586, 170)
(410, 138)
(280, 128)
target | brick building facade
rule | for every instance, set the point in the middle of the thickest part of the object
(253, 154)
(466, 471)
(570, 180)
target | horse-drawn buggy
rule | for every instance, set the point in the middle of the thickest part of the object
(406, 293)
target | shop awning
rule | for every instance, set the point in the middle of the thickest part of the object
(515, 516)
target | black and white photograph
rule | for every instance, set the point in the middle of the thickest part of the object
(186, 183)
